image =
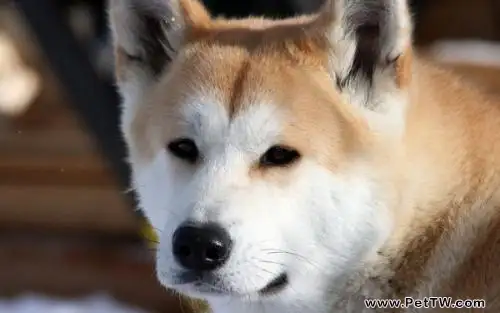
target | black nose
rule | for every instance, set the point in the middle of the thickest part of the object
(201, 247)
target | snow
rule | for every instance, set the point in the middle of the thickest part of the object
(32, 303)
(477, 52)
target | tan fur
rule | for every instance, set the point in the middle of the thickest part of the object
(446, 169)
(452, 145)
(251, 65)
(404, 70)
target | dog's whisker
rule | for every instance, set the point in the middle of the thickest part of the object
(266, 270)
(277, 251)
(157, 230)
(269, 262)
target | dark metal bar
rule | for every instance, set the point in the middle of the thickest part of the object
(96, 102)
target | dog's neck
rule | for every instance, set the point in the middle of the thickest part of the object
(450, 171)
(452, 154)
(448, 187)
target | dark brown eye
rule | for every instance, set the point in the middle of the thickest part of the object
(279, 156)
(184, 149)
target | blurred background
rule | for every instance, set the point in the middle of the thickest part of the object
(70, 238)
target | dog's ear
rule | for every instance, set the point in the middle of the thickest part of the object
(370, 47)
(147, 35)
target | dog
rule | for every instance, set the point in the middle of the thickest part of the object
(308, 164)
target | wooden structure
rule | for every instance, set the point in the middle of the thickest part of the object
(66, 228)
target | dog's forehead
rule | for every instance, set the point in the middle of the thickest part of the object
(252, 128)
(252, 99)
(230, 93)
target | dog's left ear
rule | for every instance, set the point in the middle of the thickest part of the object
(370, 46)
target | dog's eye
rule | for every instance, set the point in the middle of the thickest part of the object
(184, 149)
(279, 156)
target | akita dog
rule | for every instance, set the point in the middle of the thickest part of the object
(307, 164)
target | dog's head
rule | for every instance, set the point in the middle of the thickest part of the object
(261, 149)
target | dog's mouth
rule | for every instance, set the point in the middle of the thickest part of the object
(275, 286)
(204, 284)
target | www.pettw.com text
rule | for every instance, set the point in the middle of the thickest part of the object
(426, 303)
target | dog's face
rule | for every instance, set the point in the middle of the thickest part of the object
(259, 149)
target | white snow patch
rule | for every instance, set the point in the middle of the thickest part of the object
(32, 303)
(478, 52)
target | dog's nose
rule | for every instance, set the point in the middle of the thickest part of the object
(201, 247)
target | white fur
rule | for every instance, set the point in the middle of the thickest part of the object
(323, 223)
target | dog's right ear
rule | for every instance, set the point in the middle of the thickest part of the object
(146, 37)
